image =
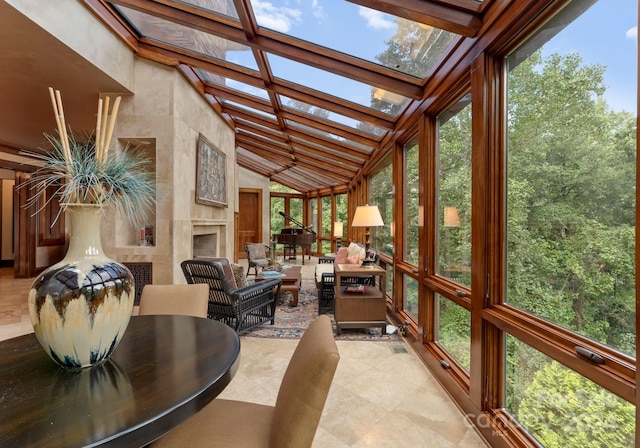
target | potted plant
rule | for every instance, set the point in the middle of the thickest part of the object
(81, 306)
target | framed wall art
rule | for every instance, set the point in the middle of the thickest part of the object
(211, 174)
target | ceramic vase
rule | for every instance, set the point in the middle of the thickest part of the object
(81, 306)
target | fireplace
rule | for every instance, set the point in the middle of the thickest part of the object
(208, 237)
(205, 245)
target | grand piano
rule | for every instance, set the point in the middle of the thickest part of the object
(292, 237)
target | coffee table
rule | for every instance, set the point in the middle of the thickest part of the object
(290, 282)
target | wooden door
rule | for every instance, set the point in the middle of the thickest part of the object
(38, 238)
(24, 224)
(250, 219)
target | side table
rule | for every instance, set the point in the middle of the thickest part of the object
(361, 309)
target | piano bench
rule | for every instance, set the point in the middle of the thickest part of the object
(291, 252)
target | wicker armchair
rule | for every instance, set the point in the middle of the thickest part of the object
(326, 293)
(240, 308)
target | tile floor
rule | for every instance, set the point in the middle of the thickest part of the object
(382, 395)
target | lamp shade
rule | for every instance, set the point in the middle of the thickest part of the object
(338, 228)
(367, 216)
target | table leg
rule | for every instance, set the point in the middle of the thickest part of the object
(294, 301)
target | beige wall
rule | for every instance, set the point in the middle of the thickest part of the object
(72, 23)
(166, 108)
(161, 106)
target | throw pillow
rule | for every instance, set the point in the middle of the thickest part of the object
(353, 260)
(341, 256)
(353, 249)
(238, 275)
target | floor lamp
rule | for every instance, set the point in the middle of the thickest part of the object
(367, 216)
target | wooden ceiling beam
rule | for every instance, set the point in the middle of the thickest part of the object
(331, 128)
(272, 42)
(436, 14)
(165, 54)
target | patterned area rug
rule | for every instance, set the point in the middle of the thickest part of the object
(291, 322)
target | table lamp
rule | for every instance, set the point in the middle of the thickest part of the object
(367, 216)
(337, 232)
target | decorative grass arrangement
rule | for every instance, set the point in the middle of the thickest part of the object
(82, 170)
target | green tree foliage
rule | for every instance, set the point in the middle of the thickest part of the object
(571, 243)
(454, 190)
(571, 188)
(277, 220)
(565, 410)
(454, 330)
(381, 194)
(411, 202)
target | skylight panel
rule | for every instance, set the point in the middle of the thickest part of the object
(248, 109)
(189, 39)
(231, 83)
(338, 86)
(329, 115)
(393, 42)
(222, 8)
(328, 135)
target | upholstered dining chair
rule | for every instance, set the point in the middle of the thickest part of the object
(257, 256)
(291, 423)
(188, 300)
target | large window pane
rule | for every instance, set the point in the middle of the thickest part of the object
(327, 219)
(410, 296)
(295, 210)
(411, 189)
(561, 408)
(313, 205)
(454, 192)
(277, 220)
(342, 212)
(454, 330)
(571, 174)
(381, 194)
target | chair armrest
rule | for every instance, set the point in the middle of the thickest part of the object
(257, 286)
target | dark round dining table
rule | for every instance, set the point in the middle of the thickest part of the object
(165, 369)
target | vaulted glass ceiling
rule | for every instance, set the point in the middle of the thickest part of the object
(314, 89)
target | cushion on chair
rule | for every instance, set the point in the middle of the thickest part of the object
(226, 269)
(239, 275)
(187, 300)
(222, 424)
(256, 251)
(323, 269)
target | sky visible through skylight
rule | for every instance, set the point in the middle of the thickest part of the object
(605, 34)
